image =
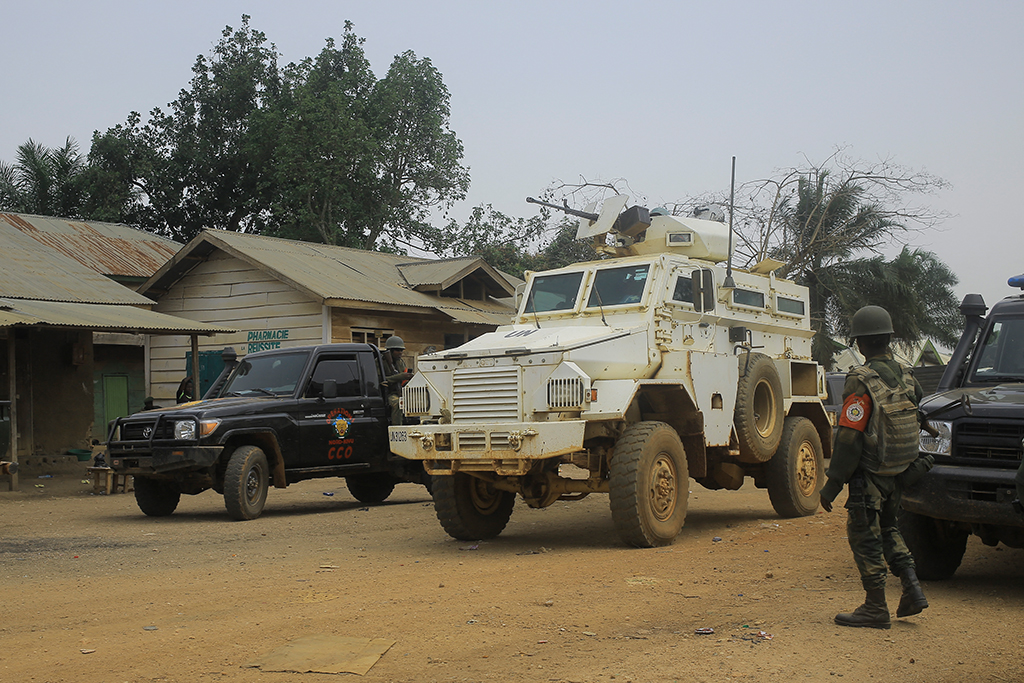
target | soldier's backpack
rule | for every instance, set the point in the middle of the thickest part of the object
(891, 441)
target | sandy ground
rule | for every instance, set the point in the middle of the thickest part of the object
(95, 592)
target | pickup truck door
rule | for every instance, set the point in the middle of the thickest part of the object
(347, 432)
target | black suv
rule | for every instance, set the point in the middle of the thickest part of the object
(276, 417)
(979, 414)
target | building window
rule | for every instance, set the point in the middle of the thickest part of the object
(366, 336)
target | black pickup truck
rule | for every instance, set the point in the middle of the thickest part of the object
(978, 412)
(277, 417)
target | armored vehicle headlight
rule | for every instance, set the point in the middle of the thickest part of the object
(185, 430)
(941, 444)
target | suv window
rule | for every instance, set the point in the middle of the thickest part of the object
(1001, 354)
(345, 371)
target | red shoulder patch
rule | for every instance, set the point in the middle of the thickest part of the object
(855, 413)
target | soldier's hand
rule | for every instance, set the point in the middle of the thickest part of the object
(826, 505)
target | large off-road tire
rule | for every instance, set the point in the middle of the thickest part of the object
(937, 548)
(370, 488)
(796, 473)
(471, 509)
(156, 498)
(759, 411)
(649, 485)
(246, 481)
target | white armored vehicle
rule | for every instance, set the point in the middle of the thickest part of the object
(626, 376)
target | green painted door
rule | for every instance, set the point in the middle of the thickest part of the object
(115, 397)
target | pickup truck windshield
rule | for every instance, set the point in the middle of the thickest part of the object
(1001, 354)
(273, 375)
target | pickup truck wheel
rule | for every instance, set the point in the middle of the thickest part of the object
(649, 485)
(795, 474)
(246, 481)
(471, 509)
(937, 548)
(759, 411)
(370, 488)
(156, 498)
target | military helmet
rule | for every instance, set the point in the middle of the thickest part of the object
(869, 321)
(394, 342)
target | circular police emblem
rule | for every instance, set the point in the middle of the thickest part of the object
(854, 412)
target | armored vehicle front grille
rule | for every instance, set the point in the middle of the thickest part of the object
(477, 441)
(416, 401)
(995, 443)
(486, 394)
(142, 431)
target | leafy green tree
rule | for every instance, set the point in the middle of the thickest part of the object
(417, 156)
(44, 181)
(324, 164)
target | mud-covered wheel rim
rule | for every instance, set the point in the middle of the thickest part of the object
(664, 487)
(486, 499)
(254, 484)
(806, 469)
(765, 405)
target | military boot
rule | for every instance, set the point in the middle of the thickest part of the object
(874, 613)
(912, 601)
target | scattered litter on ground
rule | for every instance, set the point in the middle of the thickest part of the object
(328, 493)
(87, 652)
(470, 547)
(149, 628)
(705, 631)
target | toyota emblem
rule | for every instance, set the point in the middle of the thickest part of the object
(147, 432)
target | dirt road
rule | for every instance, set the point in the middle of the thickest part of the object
(94, 592)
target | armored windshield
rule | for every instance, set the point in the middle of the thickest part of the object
(553, 293)
(1001, 352)
(273, 375)
(617, 286)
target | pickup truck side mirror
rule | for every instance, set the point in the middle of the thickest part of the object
(330, 389)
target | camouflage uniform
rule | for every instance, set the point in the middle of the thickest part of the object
(874, 499)
(394, 373)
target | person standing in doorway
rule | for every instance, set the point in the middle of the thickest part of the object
(876, 452)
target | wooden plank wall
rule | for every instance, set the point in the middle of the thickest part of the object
(417, 331)
(226, 291)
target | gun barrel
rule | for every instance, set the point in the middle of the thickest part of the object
(566, 208)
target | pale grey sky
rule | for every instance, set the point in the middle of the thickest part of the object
(662, 94)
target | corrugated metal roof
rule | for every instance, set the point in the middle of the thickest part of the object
(322, 271)
(107, 248)
(464, 315)
(31, 270)
(108, 317)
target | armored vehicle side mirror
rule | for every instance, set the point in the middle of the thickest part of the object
(330, 389)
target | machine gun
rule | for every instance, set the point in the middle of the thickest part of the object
(566, 208)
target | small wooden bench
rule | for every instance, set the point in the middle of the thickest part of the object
(106, 480)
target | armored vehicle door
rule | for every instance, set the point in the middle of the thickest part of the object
(348, 431)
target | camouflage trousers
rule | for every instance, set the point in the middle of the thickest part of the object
(875, 539)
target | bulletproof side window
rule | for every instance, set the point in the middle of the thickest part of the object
(344, 371)
(684, 289)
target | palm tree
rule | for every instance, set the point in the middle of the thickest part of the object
(43, 181)
(825, 227)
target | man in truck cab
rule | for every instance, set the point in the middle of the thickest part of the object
(396, 374)
(876, 452)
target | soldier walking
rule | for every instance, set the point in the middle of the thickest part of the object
(876, 452)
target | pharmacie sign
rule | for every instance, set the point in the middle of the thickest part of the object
(264, 340)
